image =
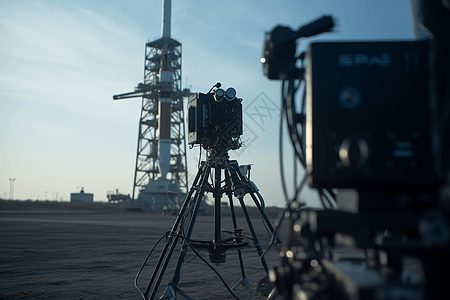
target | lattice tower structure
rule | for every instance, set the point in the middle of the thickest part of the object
(162, 53)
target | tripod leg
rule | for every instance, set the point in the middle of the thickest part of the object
(217, 205)
(255, 238)
(266, 219)
(172, 289)
(184, 248)
(176, 276)
(169, 247)
(238, 180)
(243, 280)
(237, 183)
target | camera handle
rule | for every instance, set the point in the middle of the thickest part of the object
(217, 85)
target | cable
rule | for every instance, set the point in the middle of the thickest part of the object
(208, 264)
(300, 187)
(143, 265)
(199, 158)
(213, 269)
(276, 225)
(325, 200)
(291, 116)
(283, 181)
(333, 196)
(183, 236)
(324, 205)
(294, 177)
(289, 111)
(281, 216)
(263, 208)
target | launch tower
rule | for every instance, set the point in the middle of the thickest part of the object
(160, 174)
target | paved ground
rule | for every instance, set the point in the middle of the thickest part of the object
(96, 256)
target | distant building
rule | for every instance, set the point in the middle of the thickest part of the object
(82, 197)
(117, 197)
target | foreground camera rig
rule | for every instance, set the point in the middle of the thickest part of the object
(373, 120)
(215, 119)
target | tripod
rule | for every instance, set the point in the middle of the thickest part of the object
(235, 182)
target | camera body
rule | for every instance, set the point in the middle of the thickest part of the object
(374, 119)
(215, 121)
(368, 115)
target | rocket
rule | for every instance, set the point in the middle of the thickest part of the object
(166, 15)
(165, 97)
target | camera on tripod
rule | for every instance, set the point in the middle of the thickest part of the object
(215, 119)
(368, 117)
(215, 123)
(374, 117)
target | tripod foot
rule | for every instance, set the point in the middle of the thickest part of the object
(264, 286)
(170, 293)
(243, 281)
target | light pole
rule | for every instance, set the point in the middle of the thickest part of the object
(11, 188)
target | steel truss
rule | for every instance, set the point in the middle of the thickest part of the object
(163, 50)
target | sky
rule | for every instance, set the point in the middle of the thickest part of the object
(62, 61)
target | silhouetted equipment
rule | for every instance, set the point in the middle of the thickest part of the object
(373, 88)
(374, 117)
(236, 182)
(215, 119)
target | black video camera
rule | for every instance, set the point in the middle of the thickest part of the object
(371, 119)
(374, 117)
(215, 119)
(368, 115)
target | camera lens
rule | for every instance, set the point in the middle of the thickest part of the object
(231, 93)
(218, 95)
